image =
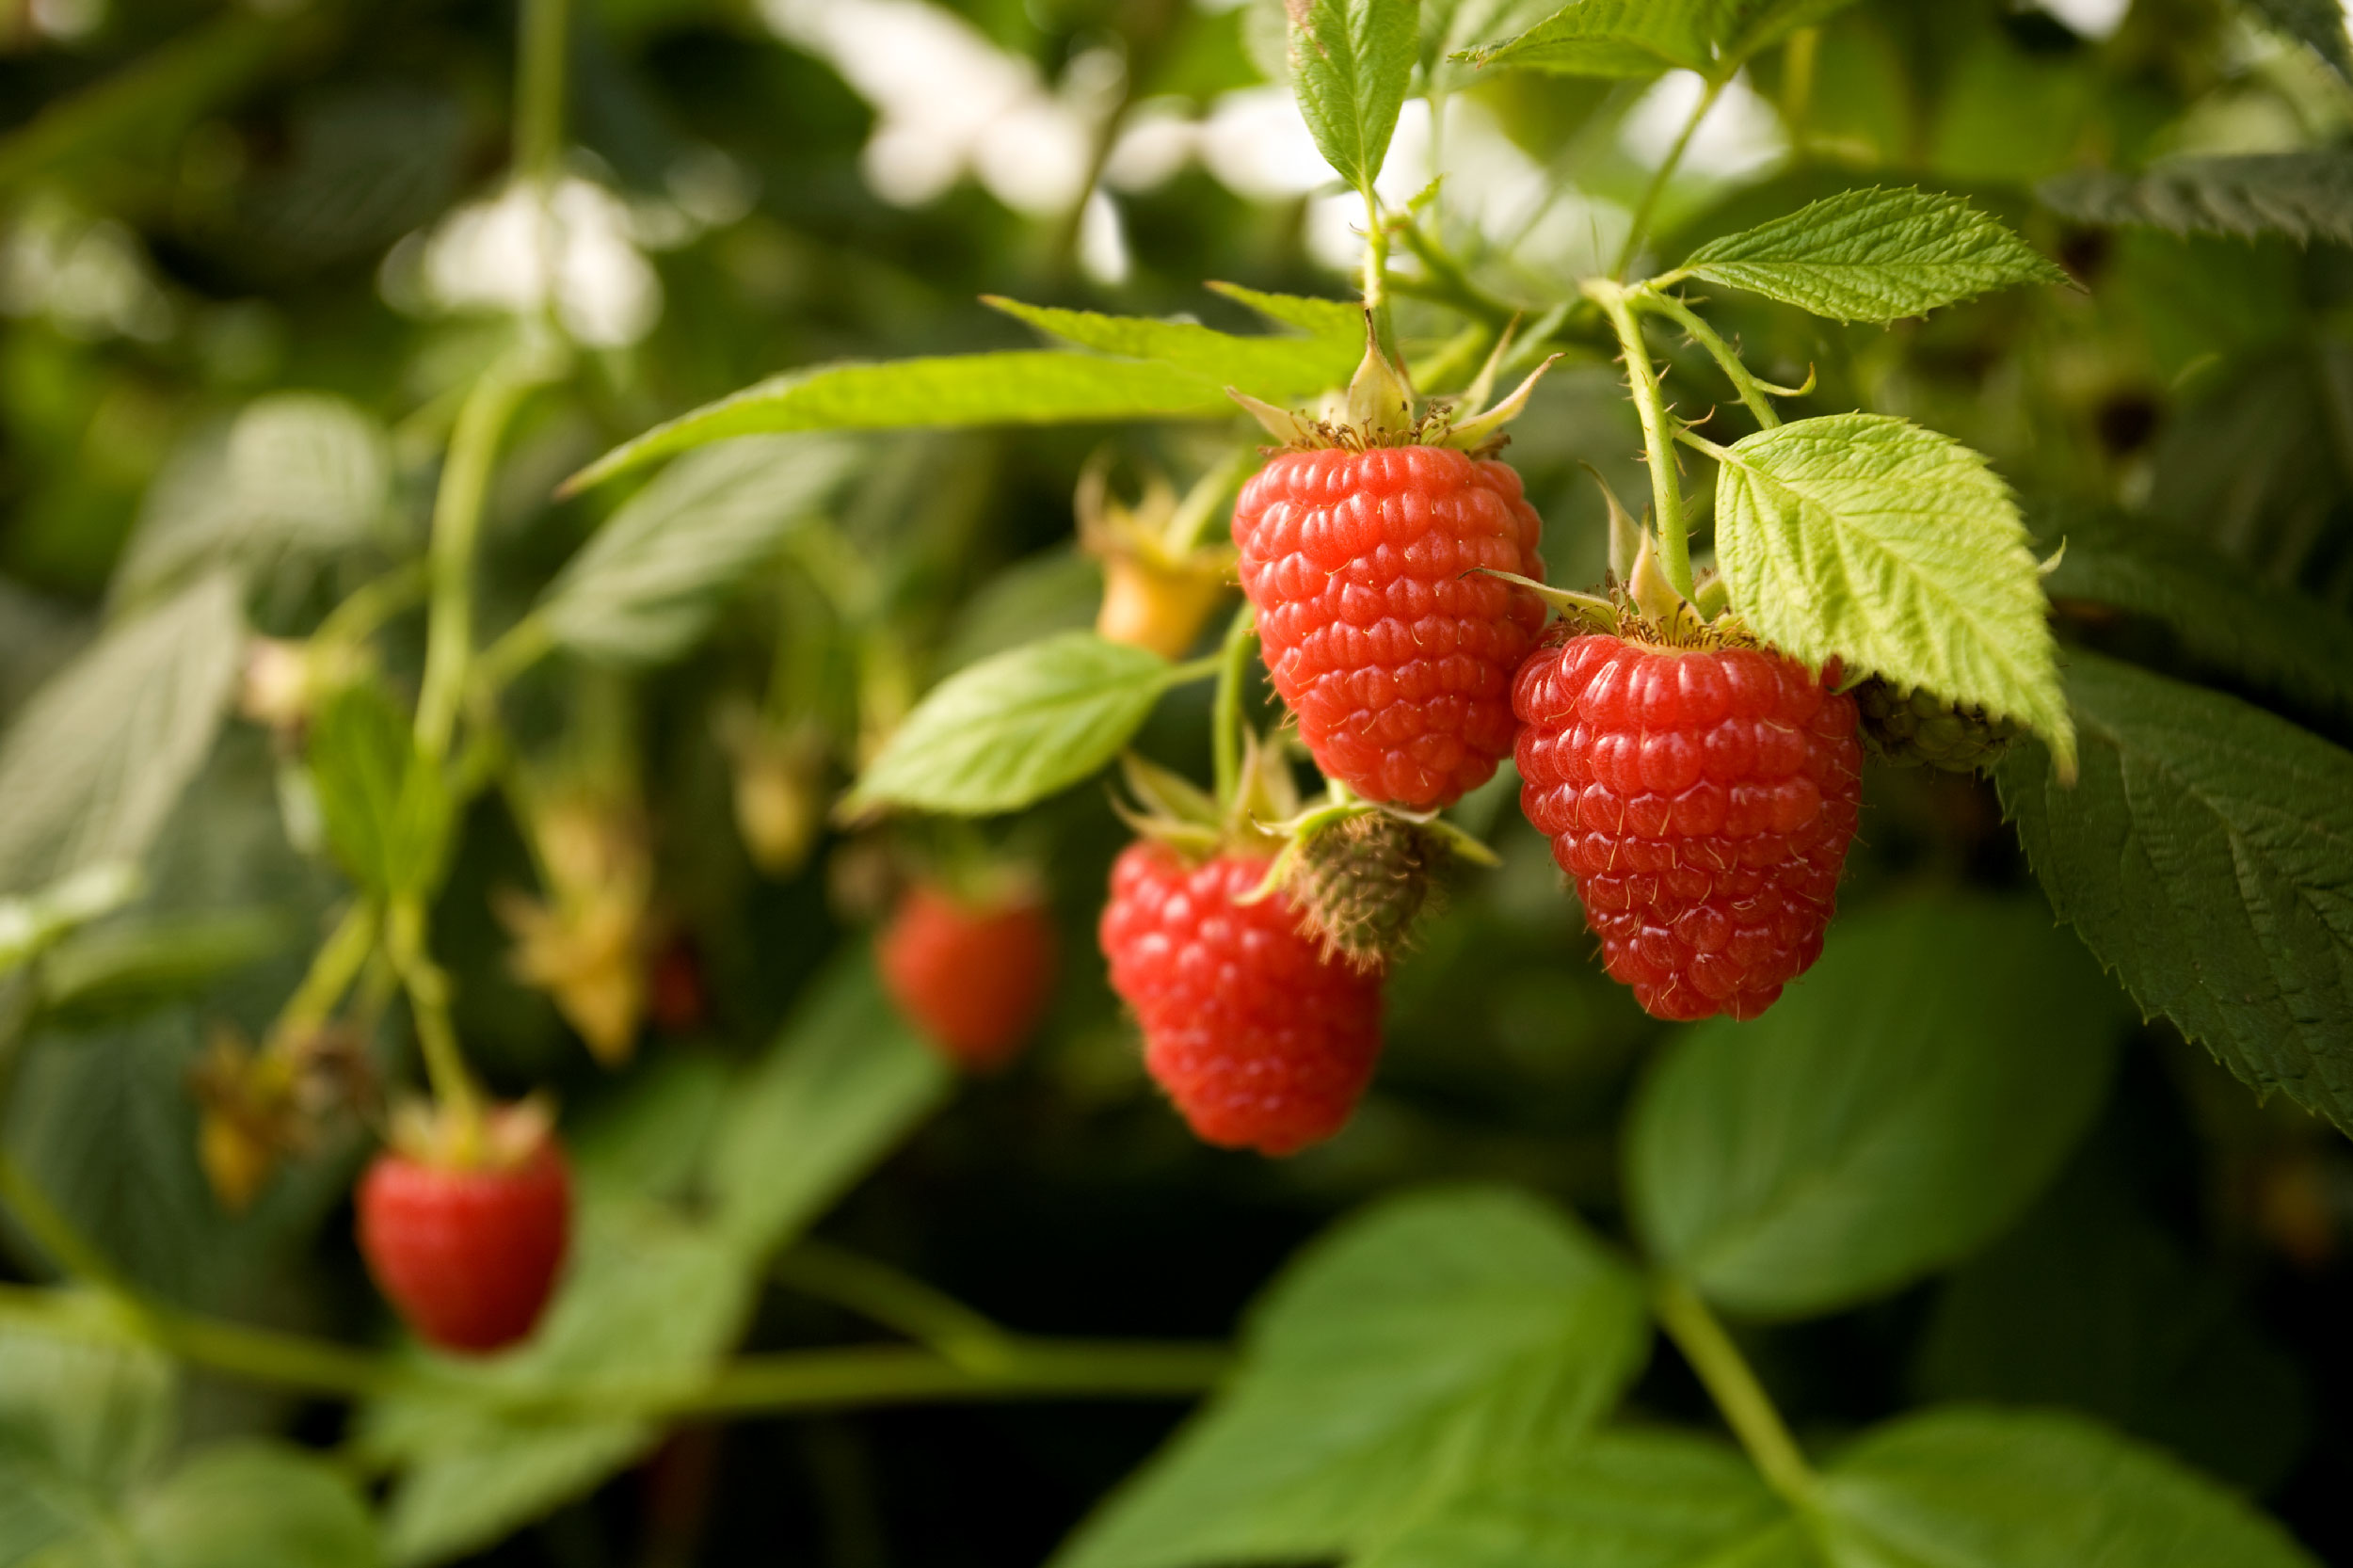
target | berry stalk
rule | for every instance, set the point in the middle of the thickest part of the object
(1659, 430)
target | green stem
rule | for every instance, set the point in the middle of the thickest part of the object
(540, 89)
(370, 605)
(522, 646)
(1752, 391)
(428, 1000)
(1659, 429)
(457, 524)
(1225, 721)
(1747, 1408)
(333, 968)
(898, 1301)
(1377, 272)
(1447, 283)
(1648, 207)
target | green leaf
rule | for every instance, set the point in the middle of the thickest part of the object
(1450, 28)
(842, 1087)
(1351, 63)
(2092, 1305)
(100, 1413)
(2319, 22)
(293, 474)
(1411, 1351)
(1899, 1109)
(1865, 537)
(1623, 1500)
(1874, 255)
(96, 761)
(647, 1295)
(33, 922)
(649, 581)
(2305, 196)
(2223, 614)
(43, 1509)
(385, 811)
(1612, 38)
(2206, 857)
(1280, 368)
(648, 1134)
(1753, 27)
(1013, 730)
(1030, 388)
(1340, 324)
(138, 962)
(255, 1505)
(1980, 1488)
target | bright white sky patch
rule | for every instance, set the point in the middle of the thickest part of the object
(1740, 135)
(2093, 19)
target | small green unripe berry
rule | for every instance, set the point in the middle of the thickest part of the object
(1917, 728)
(1362, 883)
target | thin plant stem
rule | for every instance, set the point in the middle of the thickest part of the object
(429, 1000)
(539, 88)
(366, 608)
(1752, 391)
(898, 1301)
(457, 524)
(1377, 272)
(333, 968)
(1648, 207)
(1746, 1407)
(1226, 735)
(1659, 429)
(52, 1231)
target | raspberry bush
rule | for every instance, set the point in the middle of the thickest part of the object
(1174, 783)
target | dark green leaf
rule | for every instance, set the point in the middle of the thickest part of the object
(2224, 614)
(385, 808)
(1874, 255)
(1280, 368)
(133, 964)
(2319, 22)
(844, 1083)
(1896, 1109)
(1411, 1352)
(1035, 387)
(1612, 38)
(1351, 63)
(255, 1505)
(1623, 1500)
(94, 765)
(2206, 855)
(1013, 730)
(2306, 196)
(1978, 1488)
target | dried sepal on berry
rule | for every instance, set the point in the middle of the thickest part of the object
(1161, 575)
(258, 1109)
(1380, 408)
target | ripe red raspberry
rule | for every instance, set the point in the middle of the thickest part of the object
(1260, 1041)
(1703, 801)
(1394, 652)
(974, 979)
(469, 1254)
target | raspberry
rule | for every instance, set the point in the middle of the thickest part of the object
(1914, 728)
(469, 1254)
(1702, 800)
(1363, 882)
(1394, 651)
(974, 979)
(1261, 1042)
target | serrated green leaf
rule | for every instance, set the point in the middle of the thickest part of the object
(958, 391)
(1865, 537)
(1280, 368)
(293, 474)
(100, 1413)
(1450, 28)
(2206, 857)
(1896, 1109)
(1612, 38)
(1351, 63)
(385, 808)
(2091, 1306)
(255, 1505)
(2223, 614)
(1340, 324)
(646, 1295)
(2319, 22)
(648, 585)
(1011, 730)
(1622, 1499)
(96, 761)
(1874, 255)
(844, 1083)
(1981, 1488)
(2305, 196)
(1411, 1351)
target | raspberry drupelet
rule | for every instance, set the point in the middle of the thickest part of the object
(1703, 800)
(1260, 1041)
(1395, 652)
